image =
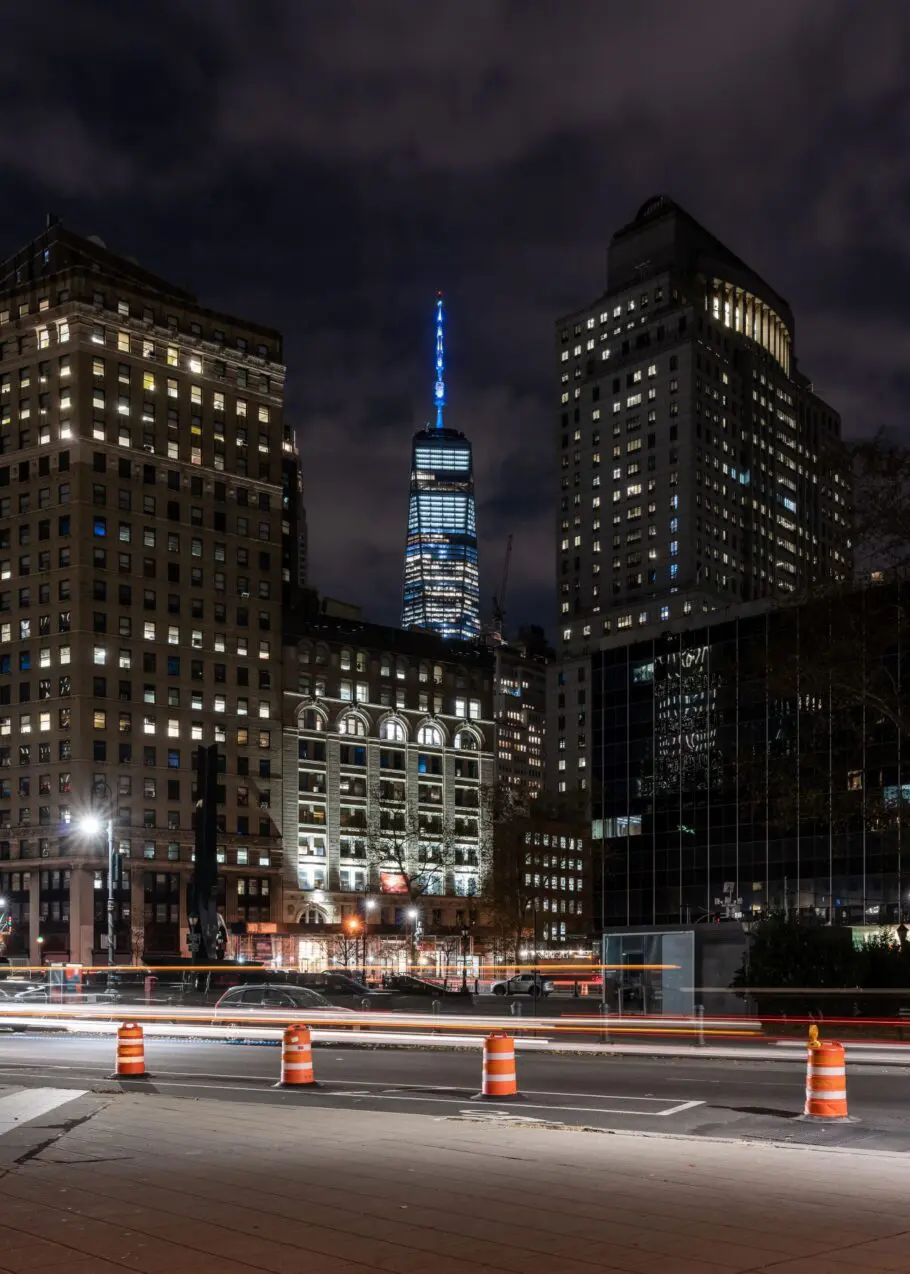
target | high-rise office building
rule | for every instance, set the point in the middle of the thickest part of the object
(519, 707)
(698, 468)
(441, 586)
(146, 531)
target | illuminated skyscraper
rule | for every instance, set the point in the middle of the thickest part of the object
(441, 590)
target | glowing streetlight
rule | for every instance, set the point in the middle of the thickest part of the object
(93, 825)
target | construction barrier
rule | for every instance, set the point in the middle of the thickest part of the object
(296, 1059)
(826, 1080)
(130, 1062)
(500, 1079)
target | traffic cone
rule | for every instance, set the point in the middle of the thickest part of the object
(297, 1059)
(826, 1083)
(130, 1063)
(500, 1079)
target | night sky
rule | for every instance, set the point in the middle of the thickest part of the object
(325, 167)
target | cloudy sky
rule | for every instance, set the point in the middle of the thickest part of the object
(324, 167)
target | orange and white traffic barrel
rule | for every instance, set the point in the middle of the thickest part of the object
(826, 1082)
(130, 1062)
(500, 1078)
(296, 1059)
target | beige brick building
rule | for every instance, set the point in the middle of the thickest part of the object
(148, 531)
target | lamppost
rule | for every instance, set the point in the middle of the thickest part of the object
(413, 913)
(369, 906)
(353, 927)
(91, 825)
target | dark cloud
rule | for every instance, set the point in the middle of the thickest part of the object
(325, 167)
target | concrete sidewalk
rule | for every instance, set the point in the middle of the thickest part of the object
(145, 1183)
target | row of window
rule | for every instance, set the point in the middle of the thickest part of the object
(102, 655)
(124, 310)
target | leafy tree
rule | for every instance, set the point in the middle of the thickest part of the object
(790, 959)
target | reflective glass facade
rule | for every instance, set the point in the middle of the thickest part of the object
(733, 774)
(441, 587)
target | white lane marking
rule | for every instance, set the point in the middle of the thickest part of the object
(356, 1083)
(422, 1091)
(31, 1103)
(157, 1082)
(423, 1097)
(677, 1110)
(499, 1117)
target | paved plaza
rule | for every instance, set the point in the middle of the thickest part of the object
(104, 1183)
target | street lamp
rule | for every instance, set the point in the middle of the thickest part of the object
(412, 914)
(352, 924)
(369, 906)
(92, 825)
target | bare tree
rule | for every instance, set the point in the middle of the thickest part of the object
(413, 850)
(344, 948)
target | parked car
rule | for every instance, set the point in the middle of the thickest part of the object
(407, 984)
(340, 988)
(524, 984)
(271, 999)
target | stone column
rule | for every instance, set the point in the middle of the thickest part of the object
(184, 915)
(137, 910)
(82, 915)
(34, 922)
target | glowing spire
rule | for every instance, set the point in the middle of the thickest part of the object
(440, 390)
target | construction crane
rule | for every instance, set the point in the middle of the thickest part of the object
(499, 599)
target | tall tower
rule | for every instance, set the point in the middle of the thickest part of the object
(441, 588)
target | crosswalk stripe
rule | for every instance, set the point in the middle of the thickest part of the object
(31, 1103)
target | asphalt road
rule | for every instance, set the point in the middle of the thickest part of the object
(740, 1099)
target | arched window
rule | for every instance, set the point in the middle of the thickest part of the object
(312, 720)
(312, 916)
(466, 741)
(352, 725)
(392, 731)
(430, 736)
